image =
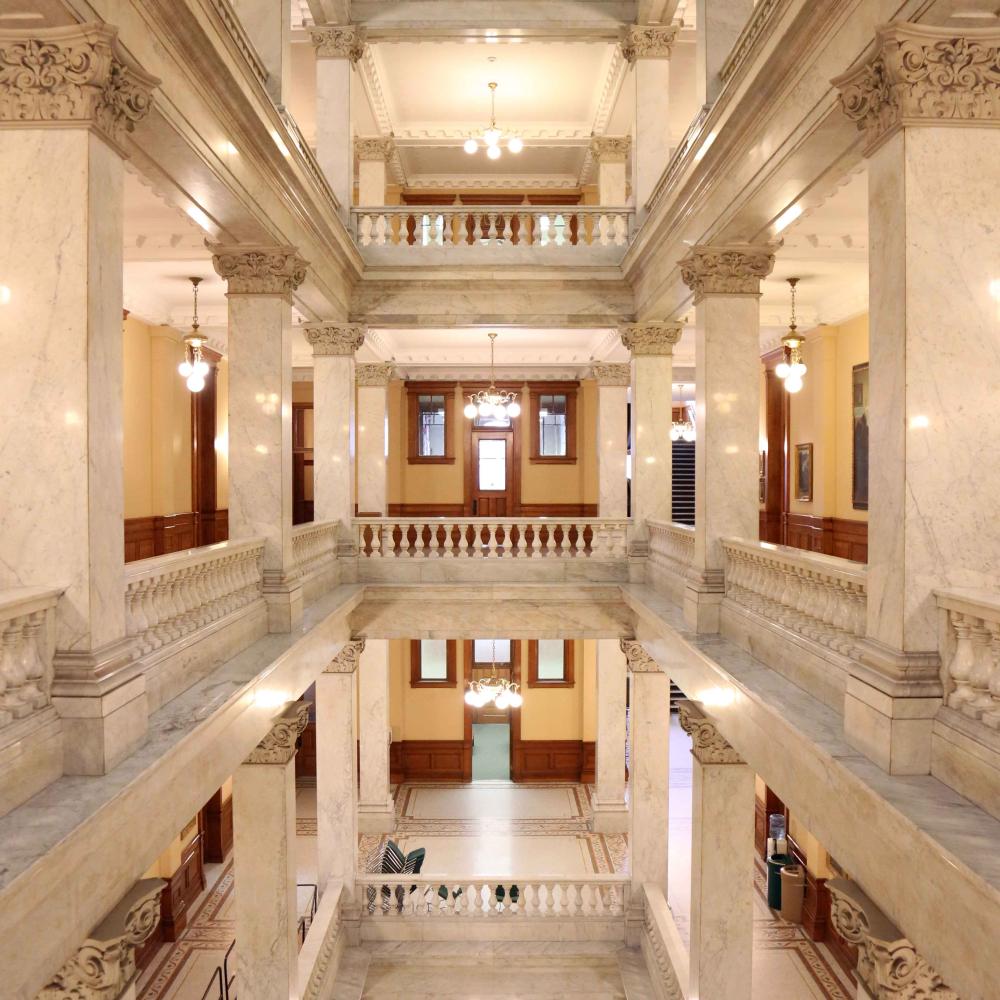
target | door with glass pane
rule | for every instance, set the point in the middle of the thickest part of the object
(492, 479)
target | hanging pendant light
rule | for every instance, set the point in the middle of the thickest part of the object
(502, 692)
(491, 401)
(194, 367)
(491, 136)
(792, 368)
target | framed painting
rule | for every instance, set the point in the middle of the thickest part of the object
(859, 458)
(804, 472)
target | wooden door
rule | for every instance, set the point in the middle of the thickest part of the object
(492, 474)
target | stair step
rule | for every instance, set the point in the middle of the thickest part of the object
(635, 975)
(351, 974)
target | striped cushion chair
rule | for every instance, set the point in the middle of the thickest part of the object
(387, 861)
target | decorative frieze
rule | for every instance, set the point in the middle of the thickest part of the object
(610, 148)
(611, 374)
(917, 75)
(346, 41)
(638, 660)
(378, 148)
(346, 661)
(651, 338)
(259, 270)
(732, 269)
(280, 744)
(888, 964)
(335, 339)
(708, 745)
(648, 41)
(72, 76)
(377, 374)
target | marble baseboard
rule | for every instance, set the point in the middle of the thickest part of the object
(472, 929)
(967, 757)
(466, 570)
(31, 757)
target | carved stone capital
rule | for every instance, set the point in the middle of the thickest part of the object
(335, 339)
(733, 269)
(708, 745)
(888, 964)
(377, 374)
(77, 75)
(346, 661)
(611, 374)
(917, 75)
(279, 746)
(648, 41)
(375, 147)
(345, 41)
(610, 148)
(259, 270)
(636, 657)
(651, 338)
(104, 964)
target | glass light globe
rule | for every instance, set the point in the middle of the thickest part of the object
(516, 700)
(491, 136)
(798, 369)
(514, 409)
(493, 152)
(470, 410)
(195, 382)
(793, 383)
(675, 434)
(503, 700)
(184, 369)
(484, 409)
(481, 699)
(470, 146)
(516, 144)
(782, 369)
(470, 697)
(201, 367)
(688, 434)
(500, 411)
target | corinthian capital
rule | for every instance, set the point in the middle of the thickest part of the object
(373, 147)
(651, 338)
(636, 657)
(733, 269)
(611, 374)
(610, 148)
(60, 76)
(648, 41)
(916, 75)
(376, 374)
(259, 270)
(346, 41)
(335, 339)
(708, 745)
(279, 746)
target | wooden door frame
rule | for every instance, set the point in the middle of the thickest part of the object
(515, 713)
(515, 448)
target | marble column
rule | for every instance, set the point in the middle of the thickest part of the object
(373, 156)
(610, 809)
(376, 810)
(652, 348)
(267, 949)
(268, 24)
(722, 852)
(612, 438)
(260, 282)
(611, 154)
(647, 48)
(337, 770)
(70, 99)
(334, 423)
(373, 437)
(338, 48)
(932, 145)
(726, 285)
(649, 766)
(718, 23)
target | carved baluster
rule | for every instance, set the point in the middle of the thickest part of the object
(491, 231)
(603, 229)
(620, 229)
(13, 699)
(365, 229)
(505, 230)
(981, 671)
(991, 715)
(962, 660)
(490, 545)
(37, 687)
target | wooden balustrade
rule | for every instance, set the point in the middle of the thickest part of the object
(971, 654)
(27, 642)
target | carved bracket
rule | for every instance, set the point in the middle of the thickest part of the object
(346, 661)
(636, 657)
(280, 744)
(708, 745)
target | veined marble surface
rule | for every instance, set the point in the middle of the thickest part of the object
(334, 440)
(652, 449)
(372, 446)
(612, 406)
(651, 148)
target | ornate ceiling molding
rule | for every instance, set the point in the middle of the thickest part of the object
(52, 77)
(376, 374)
(610, 373)
(731, 269)
(636, 657)
(259, 270)
(708, 745)
(279, 746)
(346, 41)
(346, 661)
(651, 338)
(334, 339)
(648, 41)
(917, 75)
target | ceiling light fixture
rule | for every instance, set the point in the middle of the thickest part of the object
(491, 401)
(491, 136)
(194, 367)
(791, 368)
(502, 692)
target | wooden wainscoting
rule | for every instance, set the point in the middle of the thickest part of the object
(588, 767)
(457, 510)
(833, 536)
(217, 823)
(422, 510)
(305, 756)
(434, 760)
(164, 533)
(547, 760)
(396, 773)
(558, 510)
(181, 890)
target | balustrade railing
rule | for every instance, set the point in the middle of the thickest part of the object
(492, 538)
(514, 225)
(822, 598)
(26, 647)
(971, 654)
(167, 598)
(672, 542)
(314, 545)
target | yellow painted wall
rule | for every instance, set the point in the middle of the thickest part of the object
(588, 678)
(852, 349)
(423, 713)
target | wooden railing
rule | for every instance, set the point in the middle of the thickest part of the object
(514, 225)
(27, 642)
(971, 654)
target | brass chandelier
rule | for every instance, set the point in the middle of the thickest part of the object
(491, 401)
(502, 692)
(791, 368)
(194, 367)
(491, 136)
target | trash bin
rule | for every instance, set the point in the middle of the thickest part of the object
(793, 888)
(774, 865)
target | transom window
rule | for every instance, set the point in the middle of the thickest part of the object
(482, 652)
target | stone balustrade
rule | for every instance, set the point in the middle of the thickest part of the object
(492, 225)
(168, 598)
(673, 542)
(26, 648)
(970, 654)
(314, 545)
(665, 954)
(822, 598)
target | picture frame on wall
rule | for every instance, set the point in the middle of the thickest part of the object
(859, 437)
(804, 472)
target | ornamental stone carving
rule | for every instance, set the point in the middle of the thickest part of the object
(79, 74)
(104, 964)
(733, 269)
(610, 148)
(280, 744)
(378, 148)
(346, 661)
(708, 745)
(609, 373)
(259, 270)
(335, 339)
(916, 75)
(888, 964)
(651, 338)
(346, 41)
(377, 374)
(648, 41)
(636, 657)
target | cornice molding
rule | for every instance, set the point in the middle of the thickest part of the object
(516, 182)
(917, 75)
(731, 269)
(377, 374)
(279, 746)
(610, 373)
(334, 339)
(379, 148)
(708, 745)
(346, 661)
(648, 41)
(610, 148)
(636, 657)
(651, 338)
(259, 270)
(55, 77)
(346, 41)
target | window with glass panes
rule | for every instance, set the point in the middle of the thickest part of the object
(432, 662)
(550, 663)
(430, 426)
(552, 424)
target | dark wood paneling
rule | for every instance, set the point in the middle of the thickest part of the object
(217, 822)
(305, 756)
(547, 760)
(181, 890)
(816, 907)
(426, 510)
(165, 533)
(434, 760)
(833, 536)
(176, 532)
(850, 539)
(396, 763)
(140, 538)
(775, 499)
(588, 767)
(559, 510)
(203, 455)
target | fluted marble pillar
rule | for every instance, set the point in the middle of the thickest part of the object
(726, 285)
(652, 348)
(718, 24)
(933, 216)
(337, 770)
(373, 154)
(260, 285)
(338, 48)
(376, 810)
(721, 943)
(612, 438)
(373, 437)
(611, 154)
(61, 482)
(267, 949)
(610, 809)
